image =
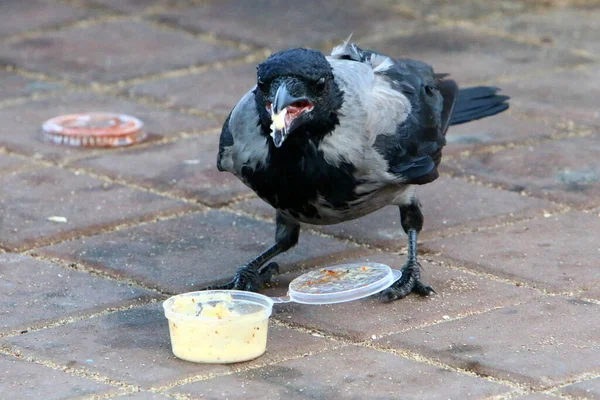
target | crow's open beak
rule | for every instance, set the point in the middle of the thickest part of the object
(284, 110)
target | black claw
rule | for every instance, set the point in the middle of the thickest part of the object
(409, 283)
(249, 278)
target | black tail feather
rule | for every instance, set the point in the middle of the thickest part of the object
(476, 103)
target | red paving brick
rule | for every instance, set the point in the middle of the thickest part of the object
(276, 25)
(345, 373)
(557, 253)
(564, 170)
(13, 85)
(589, 389)
(88, 204)
(193, 251)
(10, 164)
(186, 168)
(472, 56)
(36, 292)
(565, 28)
(545, 342)
(449, 205)
(134, 346)
(567, 94)
(25, 380)
(38, 14)
(217, 90)
(505, 129)
(457, 294)
(112, 51)
(541, 343)
(26, 121)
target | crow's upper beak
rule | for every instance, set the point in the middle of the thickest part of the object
(279, 114)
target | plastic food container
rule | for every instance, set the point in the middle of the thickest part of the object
(96, 129)
(227, 326)
(218, 326)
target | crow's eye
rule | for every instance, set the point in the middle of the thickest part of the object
(261, 85)
(320, 84)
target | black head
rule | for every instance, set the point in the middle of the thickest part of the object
(297, 93)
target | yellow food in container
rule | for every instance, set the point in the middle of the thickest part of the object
(220, 326)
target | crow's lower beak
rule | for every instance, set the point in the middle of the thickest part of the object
(280, 126)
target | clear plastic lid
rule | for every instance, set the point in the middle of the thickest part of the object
(340, 283)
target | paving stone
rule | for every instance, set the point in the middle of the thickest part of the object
(535, 396)
(13, 85)
(588, 389)
(25, 122)
(563, 27)
(24, 380)
(128, 6)
(134, 346)
(457, 294)
(463, 9)
(449, 205)
(217, 90)
(187, 253)
(502, 129)
(186, 167)
(563, 170)
(142, 396)
(541, 343)
(567, 94)
(31, 197)
(346, 373)
(471, 56)
(10, 163)
(36, 292)
(37, 14)
(277, 28)
(552, 253)
(112, 51)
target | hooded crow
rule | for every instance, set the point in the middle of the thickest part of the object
(327, 139)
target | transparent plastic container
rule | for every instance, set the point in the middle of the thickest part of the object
(95, 129)
(218, 326)
(340, 283)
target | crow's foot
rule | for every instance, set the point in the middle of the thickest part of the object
(409, 282)
(249, 278)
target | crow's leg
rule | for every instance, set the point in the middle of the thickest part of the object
(412, 223)
(251, 276)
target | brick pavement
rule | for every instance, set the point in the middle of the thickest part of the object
(511, 232)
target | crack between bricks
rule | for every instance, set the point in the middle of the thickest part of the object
(130, 304)
(78, 372)
(237, 369)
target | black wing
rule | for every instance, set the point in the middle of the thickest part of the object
(225, 140)
(415, 150)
